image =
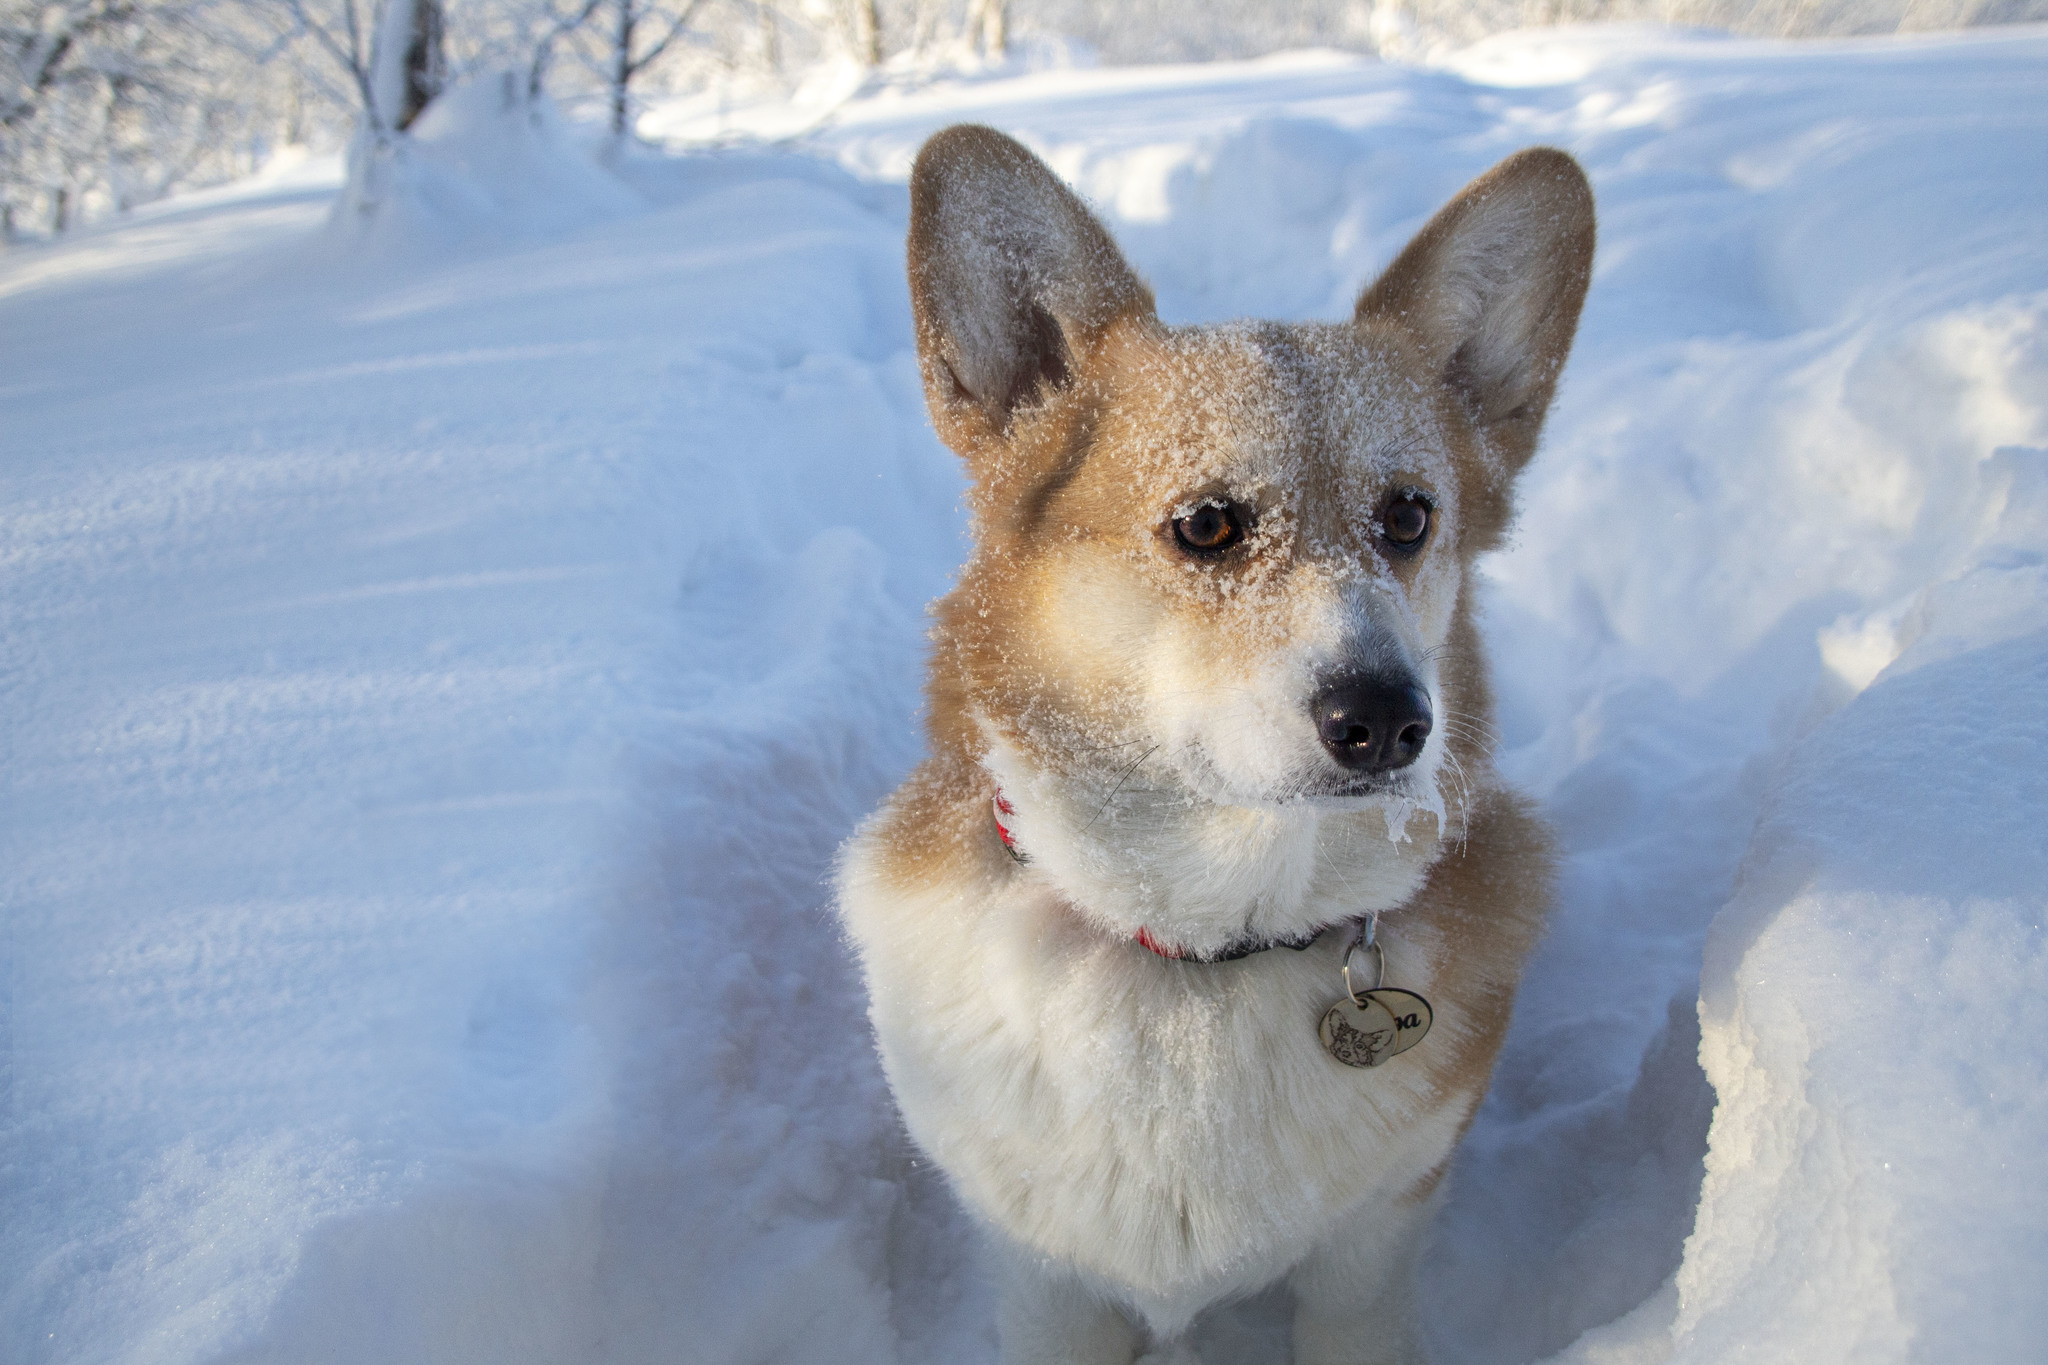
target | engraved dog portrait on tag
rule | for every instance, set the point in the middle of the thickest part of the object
(1359, 1035)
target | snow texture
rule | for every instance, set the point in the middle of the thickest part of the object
(441, 660)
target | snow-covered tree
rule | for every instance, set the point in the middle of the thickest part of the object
(109, 103)
(390, 54)
(641, 32)
(550, 25)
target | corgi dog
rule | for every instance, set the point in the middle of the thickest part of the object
(1208, 709)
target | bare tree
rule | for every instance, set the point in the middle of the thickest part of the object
(35, 42)
(422, 63)
(556, 25)
(631, 53)
(390, 52)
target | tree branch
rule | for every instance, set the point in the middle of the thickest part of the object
(56, 47)
(544, 49)
(682, 21)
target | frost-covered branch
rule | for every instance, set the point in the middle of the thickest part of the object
(45, 45)
(389, 51)
(558, 28)
(107, 102)
(629, 57)
(677, 24)
(347, 49)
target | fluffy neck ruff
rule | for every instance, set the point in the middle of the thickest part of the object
(1201, 879)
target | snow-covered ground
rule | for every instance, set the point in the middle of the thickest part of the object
(441, 652)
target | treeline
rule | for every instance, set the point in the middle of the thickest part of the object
(107, 104)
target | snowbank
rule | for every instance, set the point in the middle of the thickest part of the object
(436, 690)
(486, 161)
(1872, 1003)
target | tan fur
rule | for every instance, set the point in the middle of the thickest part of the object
(1092, 666)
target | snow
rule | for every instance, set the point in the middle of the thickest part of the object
(485, 160)
(1872, 1007)
(442, 658)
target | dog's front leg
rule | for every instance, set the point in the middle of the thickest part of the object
(1049, 1316)
(1354, 1295)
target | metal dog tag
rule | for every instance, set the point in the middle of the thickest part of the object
(1367, 1027)
(1412, 1016)
(1360, 1032)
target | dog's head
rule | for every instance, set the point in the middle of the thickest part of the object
(1215, 624)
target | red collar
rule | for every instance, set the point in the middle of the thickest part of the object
(1230, 952)
(1002, 808)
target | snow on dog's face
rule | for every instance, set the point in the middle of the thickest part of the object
(1213, 642)
(1250, 568)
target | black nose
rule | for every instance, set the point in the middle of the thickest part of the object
(1372, 725)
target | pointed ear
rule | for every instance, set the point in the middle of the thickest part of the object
(1492, 288)
(1012, 282)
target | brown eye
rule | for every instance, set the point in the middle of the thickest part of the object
(1209, 530)
(1405, 521)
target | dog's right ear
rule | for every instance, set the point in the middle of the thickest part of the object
(1012, 282)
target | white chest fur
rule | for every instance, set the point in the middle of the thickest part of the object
(1173, 1128)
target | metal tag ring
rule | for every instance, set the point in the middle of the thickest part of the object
(1379, 968)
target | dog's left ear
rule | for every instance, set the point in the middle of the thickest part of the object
(1491, 287)
(1012, 282)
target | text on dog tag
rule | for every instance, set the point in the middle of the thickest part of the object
(1411, 1012)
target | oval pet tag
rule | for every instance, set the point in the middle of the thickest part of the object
(1361, 1032)
(1412, 1016)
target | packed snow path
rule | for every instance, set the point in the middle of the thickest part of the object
(440, 661)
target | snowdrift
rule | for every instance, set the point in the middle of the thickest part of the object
(487, 161)
(437, 681)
